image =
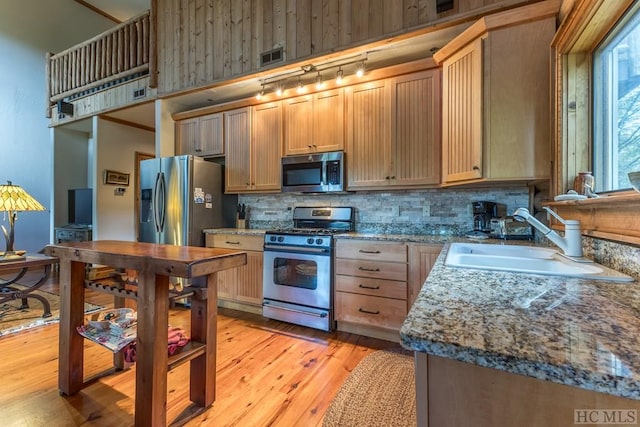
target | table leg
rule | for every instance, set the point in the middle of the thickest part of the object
(8, 292)
(204, 313)
(151, 349)
(70, 362)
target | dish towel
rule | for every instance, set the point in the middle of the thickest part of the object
(176, 339)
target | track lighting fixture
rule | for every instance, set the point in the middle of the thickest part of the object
(260, 94)
(319, 82)
(355, 64)
(360, 69)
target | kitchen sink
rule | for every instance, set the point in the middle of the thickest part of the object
(526, 259)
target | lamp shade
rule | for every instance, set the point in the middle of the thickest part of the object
(14, 199)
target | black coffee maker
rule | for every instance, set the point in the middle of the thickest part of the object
(482, 214)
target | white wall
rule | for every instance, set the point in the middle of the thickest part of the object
(29, 29)
(115, 148)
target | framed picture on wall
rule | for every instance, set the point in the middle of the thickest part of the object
(116, 178)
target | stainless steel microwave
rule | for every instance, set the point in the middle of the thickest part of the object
(314, 173)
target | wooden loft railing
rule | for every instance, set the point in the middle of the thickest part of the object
(117, 55)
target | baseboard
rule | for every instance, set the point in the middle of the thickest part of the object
(234, 305)
(370, 331)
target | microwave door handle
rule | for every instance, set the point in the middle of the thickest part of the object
(324, 174)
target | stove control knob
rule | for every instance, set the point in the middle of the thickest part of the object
(310, 240)
(280, 239)
(318, 241)
(272, 238)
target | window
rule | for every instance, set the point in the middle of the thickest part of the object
(616, 108)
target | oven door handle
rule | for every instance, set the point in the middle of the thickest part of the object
(307, 313)
(296, 249)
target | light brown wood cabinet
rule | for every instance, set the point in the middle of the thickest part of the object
(241, 287)
(314, 123)
(496, 97)
(393, 132)
(371, 283)
(201, 136)
(422, 257)
(253, 143)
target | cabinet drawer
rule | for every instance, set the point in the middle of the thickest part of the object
(236, 241)
(375, 287)
(375, 311)
(378, 270)
(373, 250)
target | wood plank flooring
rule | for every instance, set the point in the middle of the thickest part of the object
(269, 373)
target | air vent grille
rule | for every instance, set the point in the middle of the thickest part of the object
(271, 56)
(444, 5)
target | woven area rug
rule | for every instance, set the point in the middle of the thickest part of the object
(380, 391)
(13, 319)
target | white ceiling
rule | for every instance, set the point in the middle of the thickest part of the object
(388, 54)
(120, 9)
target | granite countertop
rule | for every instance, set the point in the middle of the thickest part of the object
(413, 238)
(578, 332)
(239, 231)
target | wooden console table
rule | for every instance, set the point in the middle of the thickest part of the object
(154, 263)
(20, 267)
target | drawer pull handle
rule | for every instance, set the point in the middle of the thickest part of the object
(363, 251)
(368, 287)
(362, 310)
(368, 269)
(232, 243)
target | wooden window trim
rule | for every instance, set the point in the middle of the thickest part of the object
(613, 216)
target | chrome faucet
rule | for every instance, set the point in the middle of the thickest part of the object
(571, 243)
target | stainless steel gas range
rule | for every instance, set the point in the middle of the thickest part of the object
(298, 266)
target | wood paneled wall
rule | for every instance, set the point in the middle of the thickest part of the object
(203, 41)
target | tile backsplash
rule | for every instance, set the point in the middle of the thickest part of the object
(437, 211)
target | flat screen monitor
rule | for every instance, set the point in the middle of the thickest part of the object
(81, 206)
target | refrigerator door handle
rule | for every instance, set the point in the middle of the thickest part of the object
(155, 205)
(162, 205)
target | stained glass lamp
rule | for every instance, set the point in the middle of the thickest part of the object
(14, 199)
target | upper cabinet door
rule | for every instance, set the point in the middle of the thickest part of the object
(266, 147)
(298, 122)
(187, 135)
(328, 124)
(462, 114)
(211, 135)
(368, 135)
(237, 139)
(416, 129)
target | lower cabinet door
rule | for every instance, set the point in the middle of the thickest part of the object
(249, 279)
(227, 283)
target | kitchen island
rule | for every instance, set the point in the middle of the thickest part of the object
(496, 348)
(155, 263)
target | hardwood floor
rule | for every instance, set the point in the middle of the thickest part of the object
(269, 373)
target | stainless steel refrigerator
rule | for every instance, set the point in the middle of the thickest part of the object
(180, 197)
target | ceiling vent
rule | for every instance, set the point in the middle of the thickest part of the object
(271, 56)
(444, 5)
